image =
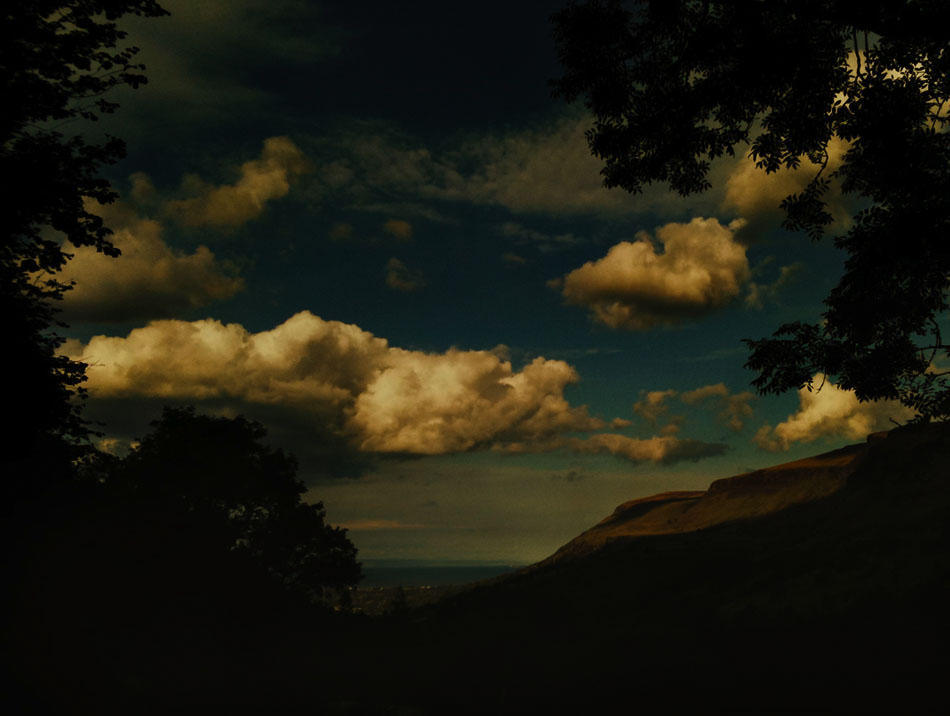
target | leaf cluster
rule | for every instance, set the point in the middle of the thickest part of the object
(57, 62)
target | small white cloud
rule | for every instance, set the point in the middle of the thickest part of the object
(260, 181)
(652, 405)
(830, 412)
(702, 268)
(398, 228)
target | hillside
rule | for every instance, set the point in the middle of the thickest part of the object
(818, 586)
(751, 494)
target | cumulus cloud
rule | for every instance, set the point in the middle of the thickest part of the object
(379, 398)
(400, 277)
(731, 409)
(652, 405)
(149, 279)
(358, 396)
(757, 196)
(450, 402)
(636, 287)
(830, 412)
(260, 181)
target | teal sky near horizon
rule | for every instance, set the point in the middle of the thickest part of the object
(373, 229)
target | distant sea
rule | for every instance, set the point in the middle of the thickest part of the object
(409, 574)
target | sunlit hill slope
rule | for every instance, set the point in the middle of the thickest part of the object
(820, 585)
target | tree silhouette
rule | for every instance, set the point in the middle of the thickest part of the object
(674, 84)
(228, 495)
(239, 496)
(57, 61)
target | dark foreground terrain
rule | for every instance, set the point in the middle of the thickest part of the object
(822, 588)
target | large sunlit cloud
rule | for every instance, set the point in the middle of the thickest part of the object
(701, 268)
(359, 392)
(830, 412)
(260, 181)
(454, 401)
(385, 399)
(149, 279)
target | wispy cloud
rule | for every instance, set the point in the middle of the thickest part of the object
(400, 277)
(361, 394)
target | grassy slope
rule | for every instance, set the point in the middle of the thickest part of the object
(833, 605)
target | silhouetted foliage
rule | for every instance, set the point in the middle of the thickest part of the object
(57, 61)
(674, 84)
(239, 498)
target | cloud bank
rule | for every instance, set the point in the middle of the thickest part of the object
(636, 287)
(373, 397)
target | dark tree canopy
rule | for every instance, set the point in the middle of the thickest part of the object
(237, 496)
(674, 84)
(58, 59)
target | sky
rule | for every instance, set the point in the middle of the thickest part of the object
(370, 227)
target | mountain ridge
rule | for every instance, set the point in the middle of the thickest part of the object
(816, 586)
(744, 496)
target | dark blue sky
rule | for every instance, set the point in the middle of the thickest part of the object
(496, 350)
